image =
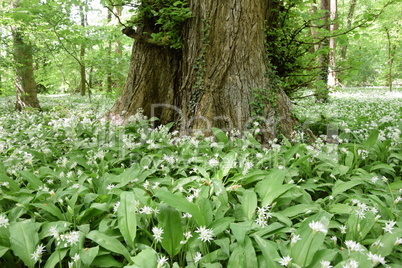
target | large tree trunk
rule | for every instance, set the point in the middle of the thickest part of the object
(211, 80)
(24, 74)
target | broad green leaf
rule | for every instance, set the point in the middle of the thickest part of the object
(295, 210)
(340, 209)
(170, 221)
(220, 135)
(24, 238)
(240, 230)
(56, 257)
(206, 209)
(387, 242)
(52, 209)
(126, 217)
(33, 181)
(87, 255)
(341, 186)
(182, 204)
(249, 203)
(109, 243)
(3, 250)
(349, 159)
(302, 252)
(384, 167)
(228, 162)
(271, 187)
(372, 139)
(220, 225)
(323, 255)
(147, 258)
(269, 251)
(243, 256)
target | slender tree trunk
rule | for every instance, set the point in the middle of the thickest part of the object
(348, 26)
(109, 50)
(24, 72)
(322, 90)
(83, 84)
(210, 82)
(332, 77)
(391, 55)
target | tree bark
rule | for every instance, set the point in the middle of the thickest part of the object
(349, 26)
(24, 73)
(210, 81)
(332, 77)
(391, 48)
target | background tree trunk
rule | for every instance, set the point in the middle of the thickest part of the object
(24, 72)
(332, 77)
(348, 26)
(210, 82)
(322, 90)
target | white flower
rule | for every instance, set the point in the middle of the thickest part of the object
(76, 257)
(213, 162)
(146, 210)
(37, 255)
(317, 226)
(295, 238)
(157, 234)
(53, 231)
(376, 258)
(110, 187)
(116, 207)
(285, 261)
(351, 264)
(187, 235)
(389, 226)
(398, 241)
(187, 215)
(353, 246)
(378, 243)
(161, 261)
(263, 215)
(325, 264)
(3, 221)
(197, 257)
(343, 229)
(72, 237)
(205, 234)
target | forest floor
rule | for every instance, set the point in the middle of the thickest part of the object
(80, 191)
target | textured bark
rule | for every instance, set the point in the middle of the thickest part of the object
(210, 82)
(24, 74)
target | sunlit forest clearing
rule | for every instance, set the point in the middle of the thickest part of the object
(195, 134)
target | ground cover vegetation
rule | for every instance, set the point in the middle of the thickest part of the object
(78, 191)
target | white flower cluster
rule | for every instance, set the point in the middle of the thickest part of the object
(263, 214)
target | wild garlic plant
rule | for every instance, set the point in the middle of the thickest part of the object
(77, 191)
